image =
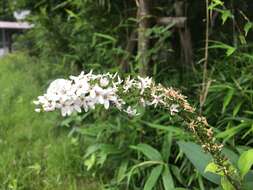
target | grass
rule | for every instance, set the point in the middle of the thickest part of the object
(35, 154)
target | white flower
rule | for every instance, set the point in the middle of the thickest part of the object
(38, 110)
(128, 84)
(67, 108)
(36, 102)
(109, 96)
(144, 83)
(157, 99)
(144, 102)
(97, 94)
(104, 82)
(118, 82)
(88, 103)
(114, 76)
(131, 112)
(79, 77)
(41, 100)
(174, 109)
(49, 106)
(119, 103)
(85, 91)
(81, 87)
(77, 104)
(59, 86)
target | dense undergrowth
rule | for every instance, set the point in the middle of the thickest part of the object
(121, 151)
(153, 150)
(45, 152)
(35, 153)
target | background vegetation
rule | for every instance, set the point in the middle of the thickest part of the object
(148, 152)
(35, 153)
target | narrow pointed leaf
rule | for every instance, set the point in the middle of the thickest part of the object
(150, 152)
(168, 182)
(153, 178)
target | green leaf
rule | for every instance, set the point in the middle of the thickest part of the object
(226, 185)
(71, 13)
(36, 167)
(229, 49)
(247, 27)
(248, 177)
(225, 14)
(90, 162)
(168, 182)
(150, 152)
(105, 36)
(218, 2)
(245, 162)
(176, 172)
(106, 149)
(227, 99)
(170, 128)
(242, 39)
(228, 133)
(166, 148)
(122, 171)
(237, 108)
(213, 168)
(248, 185)
(91, 149)
(199, 159)
(214, 4)
(231, 155)
(153, 177)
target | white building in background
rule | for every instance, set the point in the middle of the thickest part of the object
(7, 29)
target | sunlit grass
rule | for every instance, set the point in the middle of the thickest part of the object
(34, 153)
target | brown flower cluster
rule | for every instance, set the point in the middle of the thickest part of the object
(175, 95)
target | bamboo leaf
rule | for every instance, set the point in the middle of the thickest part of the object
(168, 182)
(165, 128)
(225, 14)
(105, 36)
(153, 178)
(122, 171)
(228, 133)
(71, 13)
(248, 26)
(166, 148)
(150, 152)
(227, 99)
(237, 108)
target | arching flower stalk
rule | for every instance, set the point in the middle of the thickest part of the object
(86, 91)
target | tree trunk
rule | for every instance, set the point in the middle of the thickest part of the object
(130, 48)
(185, 37)
(143, 40)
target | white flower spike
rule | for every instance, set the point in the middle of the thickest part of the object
(86, 91)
